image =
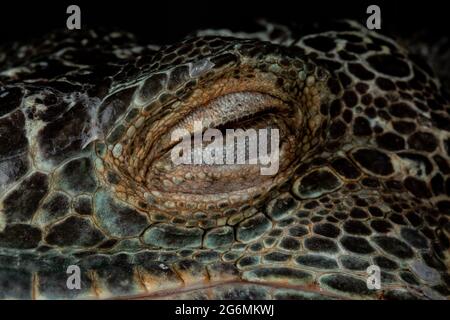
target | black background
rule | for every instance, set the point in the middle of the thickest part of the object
(163, 21)
(284, 310)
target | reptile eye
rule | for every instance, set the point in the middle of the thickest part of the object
(229, 145)
(230, 137)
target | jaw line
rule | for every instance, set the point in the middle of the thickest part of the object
(208, 288)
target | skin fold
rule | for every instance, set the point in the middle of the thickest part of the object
(86, 181)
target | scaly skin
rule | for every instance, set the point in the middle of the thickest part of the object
(365, 181)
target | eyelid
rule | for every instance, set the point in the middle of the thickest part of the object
(266, 88)
(230, 107)
(203, 95)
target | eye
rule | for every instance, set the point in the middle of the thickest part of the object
(240, 131)
(220, 164)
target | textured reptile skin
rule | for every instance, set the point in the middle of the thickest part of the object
(369, 184)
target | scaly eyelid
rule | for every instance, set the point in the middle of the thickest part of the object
(147, 177)
(229, 108)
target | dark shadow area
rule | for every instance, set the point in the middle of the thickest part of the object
(165, 21)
